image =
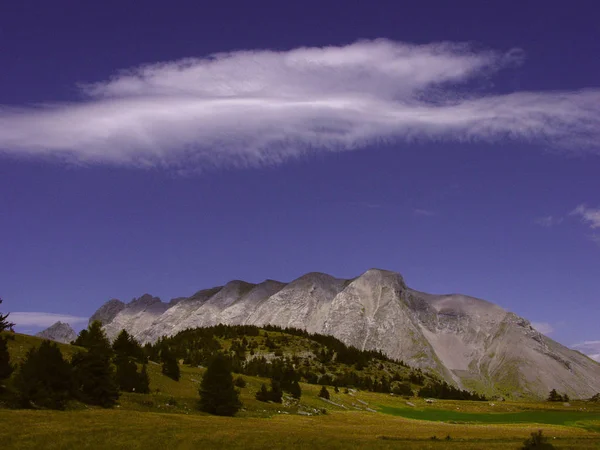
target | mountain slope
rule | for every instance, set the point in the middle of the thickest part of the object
(469, 342)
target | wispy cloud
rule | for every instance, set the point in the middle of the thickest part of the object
(590, 348)
(589, 216)
(43, 319)
(549, 221)
(543, 327)
(258, 107)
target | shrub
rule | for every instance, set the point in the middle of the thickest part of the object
(537, 441)
(240, 382)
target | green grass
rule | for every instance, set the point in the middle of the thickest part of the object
(136, 430)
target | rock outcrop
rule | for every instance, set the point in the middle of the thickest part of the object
(59, 332)
(470, 342)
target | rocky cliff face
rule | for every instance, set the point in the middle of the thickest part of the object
(59, 332)
(470, 342)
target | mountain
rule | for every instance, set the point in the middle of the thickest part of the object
(469, 342)
(59, 332)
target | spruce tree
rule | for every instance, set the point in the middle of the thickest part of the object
(217, 393)
(95, 381)
(44, 378)
(6, 368)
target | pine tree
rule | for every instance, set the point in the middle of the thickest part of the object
(44, 378)
(95, 381)
(170, 366)
(6, 368)
(295, 390)
(126, 345)
(217, 392)
(554, 396)
(275, 393)
(126, 374)
(4, 323)
(143, 382)
(324, 393)
(263, 394)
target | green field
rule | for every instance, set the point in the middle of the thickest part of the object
(168, 418)
(568, 418)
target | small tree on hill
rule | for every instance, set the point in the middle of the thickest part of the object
(324, 393)
(217, 392)
(170, 366)
(44, 378)
(4, 323)
(94, 378)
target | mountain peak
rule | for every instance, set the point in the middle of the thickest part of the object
(59, 332)
(470, 342)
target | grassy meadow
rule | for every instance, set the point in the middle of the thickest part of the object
(168, 418)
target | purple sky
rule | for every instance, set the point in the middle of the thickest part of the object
(455, 144)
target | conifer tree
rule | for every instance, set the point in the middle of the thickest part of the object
(170, 366)
(4, 323)
(44, 378)
(94, 377)
(144, 381)
(324, 393)
(217, 392)
(295, 390)
(6, 368)
(263, 394)
(126, 345)
(126, 374)
(275, 393)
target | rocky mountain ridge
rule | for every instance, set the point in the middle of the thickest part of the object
(470, 342)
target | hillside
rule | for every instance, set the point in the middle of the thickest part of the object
(471, 343)
(168, 417)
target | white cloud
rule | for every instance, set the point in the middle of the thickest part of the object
(43, 319)
(259, 107)
(589, 216)
(543, 327)
(549, 221)
(590, 348)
